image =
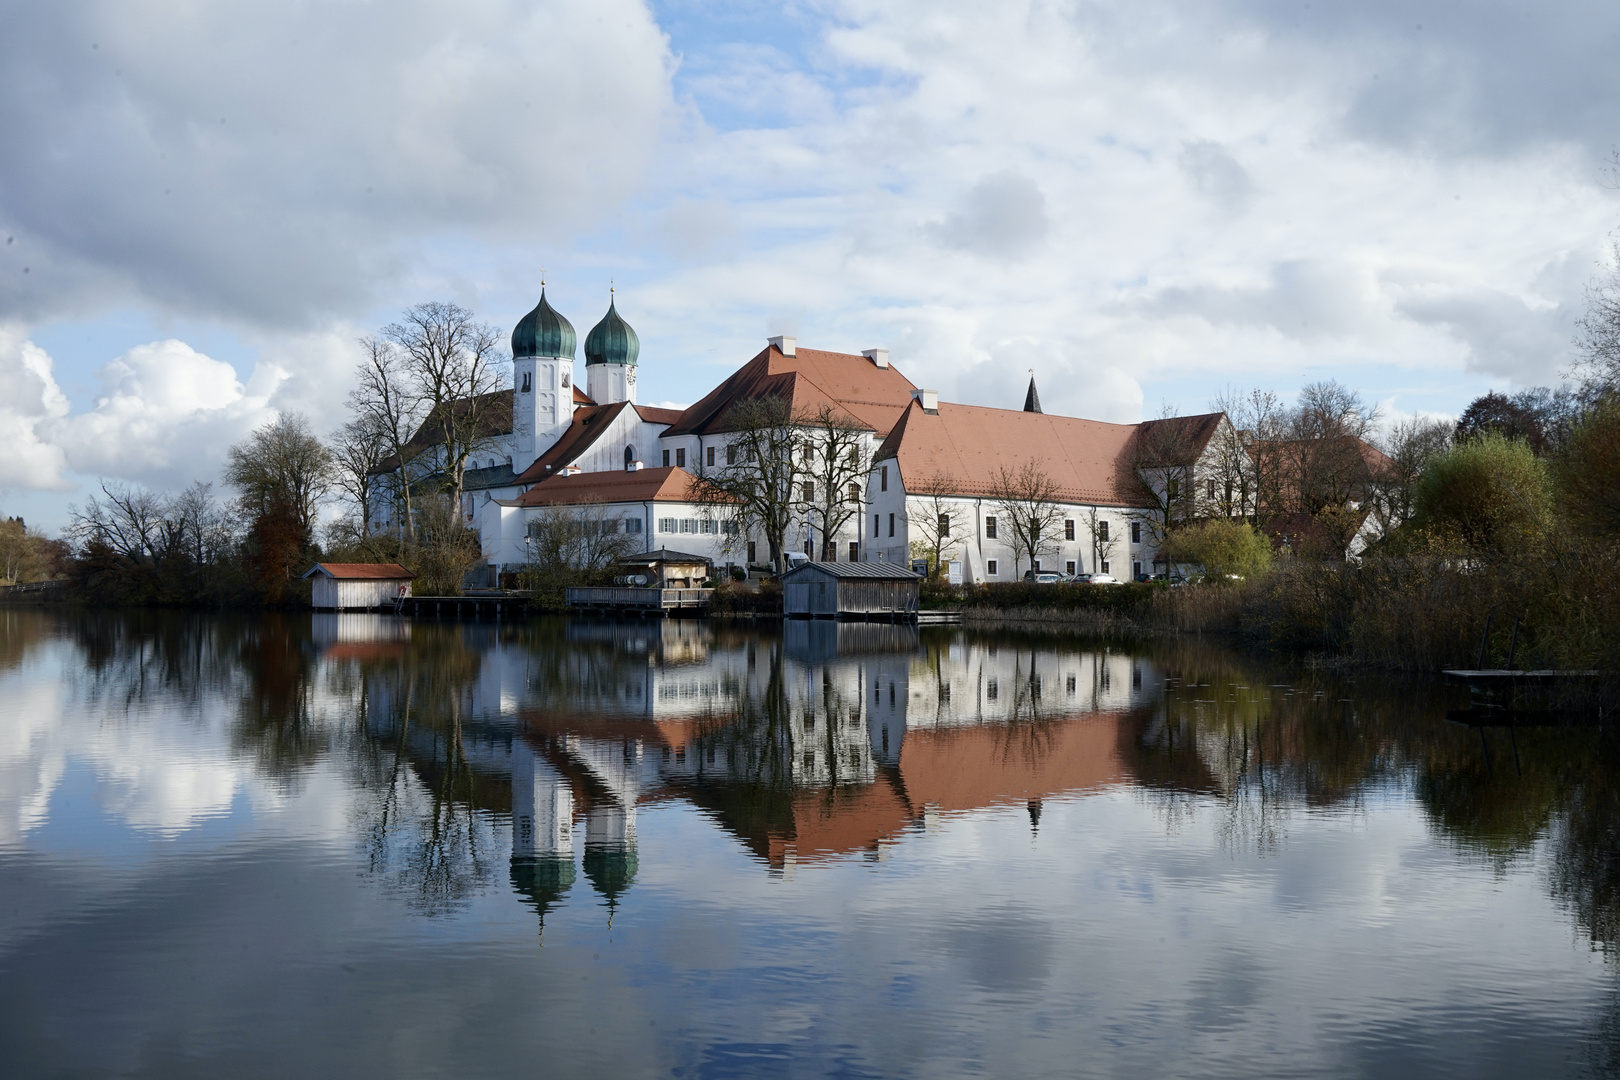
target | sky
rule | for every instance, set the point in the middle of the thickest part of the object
(203, 204)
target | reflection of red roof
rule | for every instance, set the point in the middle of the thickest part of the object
(852, 385)
(364, 650)
(953, 769)
(362, 571)
(968, 768)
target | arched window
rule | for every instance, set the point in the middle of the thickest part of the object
(629, 456)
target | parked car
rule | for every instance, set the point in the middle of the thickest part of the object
(1043, 577)
(1175, 581)
(1096, 579)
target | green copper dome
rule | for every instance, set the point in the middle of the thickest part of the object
(611, 341)
(543, 332)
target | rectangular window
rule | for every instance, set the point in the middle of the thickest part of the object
(992, 689)
(990, 527)
(874, 525)
(809, 492)
(1212, 489)
(990, 567)
(1136, 532)
(667, 525)
(632, 525)
(708, 527)
(1105, 566)
(1037, 566)
(750, 551)
(1068, 528)
(709, 460)
(1068, 567)
(680, 457)
(854, 493)
(944, 526)
(1102, 530)
(854, 551)
(731, 453)
(1136, 569)
(666, 459)
(883, 478)
(689, 525)
(891, 524)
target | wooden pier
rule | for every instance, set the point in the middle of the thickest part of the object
(494, 606)
(654, 603)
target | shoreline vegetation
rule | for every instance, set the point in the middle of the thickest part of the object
(1491, 542)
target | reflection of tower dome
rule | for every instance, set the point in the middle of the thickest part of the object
(542, 883)
(543, 332)
(611, 341)
(611, 868)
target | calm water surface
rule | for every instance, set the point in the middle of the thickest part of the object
(353, 846)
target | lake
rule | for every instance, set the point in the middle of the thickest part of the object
(357, 846)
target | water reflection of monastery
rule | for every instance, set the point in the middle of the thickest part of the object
(829, 740)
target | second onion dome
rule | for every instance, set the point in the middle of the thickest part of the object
(611, 341)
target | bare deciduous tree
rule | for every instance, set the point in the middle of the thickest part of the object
(282, 464)
(1104, 540)
(1028, 500)
(126, 519)
(837, 462)
(761, 483)
(1599, 340)
(455, 365)
(359, 450)
(1411, 445)
(385, 401)
(933, 515)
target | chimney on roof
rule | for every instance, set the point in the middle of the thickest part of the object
(929, 400)
(784, 344)
(1032, 400)
(879, 357)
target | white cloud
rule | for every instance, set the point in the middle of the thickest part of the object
(29, 399)
(165, 417)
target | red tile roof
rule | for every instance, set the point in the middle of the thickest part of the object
(657, 485)
(581, 397)
(653, 414)
(362, 571)
(591, 422)
(874, 397)
(965, 446)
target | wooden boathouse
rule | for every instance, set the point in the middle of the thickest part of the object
(869, 590)
(358, 586)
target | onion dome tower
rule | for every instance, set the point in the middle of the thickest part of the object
(542, 381)
(611, 349)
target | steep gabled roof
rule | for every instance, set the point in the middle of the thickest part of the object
(496, 420)
(873, 397)
(964, 447)
(591, 422)
(643, 485)
(581, 397)
(1180, 440)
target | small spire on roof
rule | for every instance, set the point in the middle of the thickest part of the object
(1032, 400)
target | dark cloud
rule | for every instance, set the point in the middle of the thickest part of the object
(276, 163)
(1491, 77)
(1003, 215)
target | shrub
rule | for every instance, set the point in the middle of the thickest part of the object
(1587, 469)
(1489, 492)
(1221, 547)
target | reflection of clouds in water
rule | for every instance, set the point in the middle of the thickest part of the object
(164, 761)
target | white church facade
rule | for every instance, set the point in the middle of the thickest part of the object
(634, 467)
